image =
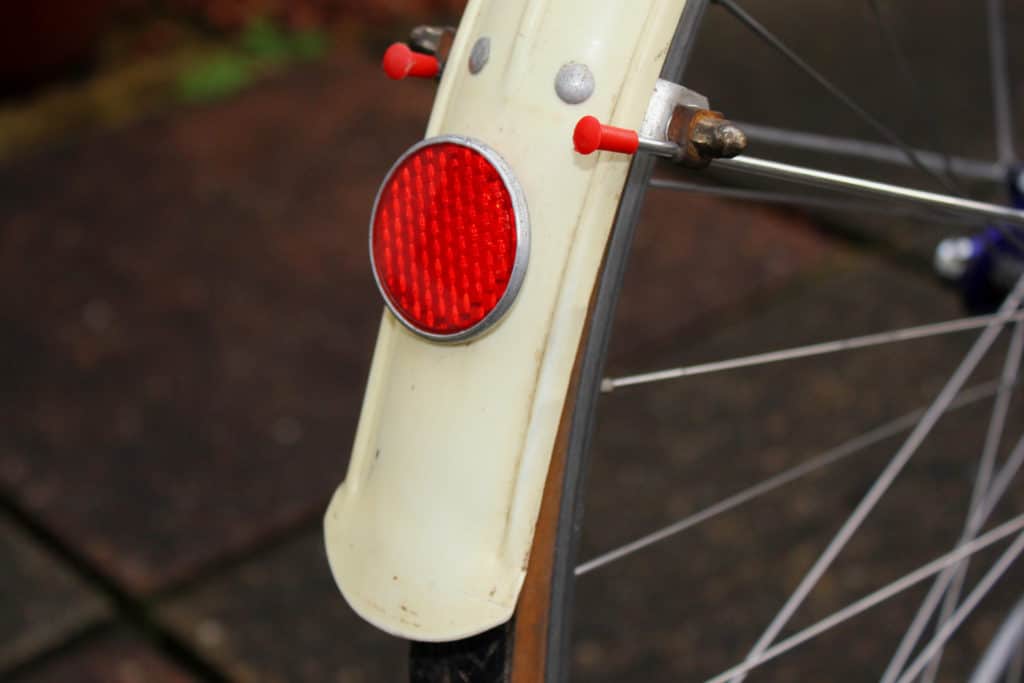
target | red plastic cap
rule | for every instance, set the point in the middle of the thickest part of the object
(591, 135)
(444, 238)
(400, 62)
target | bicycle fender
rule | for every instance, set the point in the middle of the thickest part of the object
(429, 535)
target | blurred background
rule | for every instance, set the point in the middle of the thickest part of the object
(187, 316)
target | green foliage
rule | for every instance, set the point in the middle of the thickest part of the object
(262, 47)
(264, 40)
(309, 45)
(215, 78)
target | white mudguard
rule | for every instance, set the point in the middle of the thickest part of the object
(429, 535)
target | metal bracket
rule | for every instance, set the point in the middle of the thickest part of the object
(667, 96)
(433, 40)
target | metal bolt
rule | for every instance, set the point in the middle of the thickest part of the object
(429, 38)
(479, 55)
(718, 138)
(574, 83)
(952, 256)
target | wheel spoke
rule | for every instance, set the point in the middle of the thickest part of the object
(851, 447)
(1003, 652)
(986, 464)
(1002, 481)
(761, 31)
(865, 341)
(983, 501)
(895, 466)
(871, 151)
(869, 188)
(962, 612)
(1000, 81)
(810, 202)
(935, 593)
(917, 94)
(882, 594)
(1015, 672)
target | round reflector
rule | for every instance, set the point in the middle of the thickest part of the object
(449, 238)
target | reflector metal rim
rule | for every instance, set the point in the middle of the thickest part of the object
(522, 227)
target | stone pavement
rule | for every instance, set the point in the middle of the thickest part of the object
(186, 318)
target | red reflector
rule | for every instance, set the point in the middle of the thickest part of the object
(448, 238)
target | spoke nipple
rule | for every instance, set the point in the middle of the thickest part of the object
(607, 385)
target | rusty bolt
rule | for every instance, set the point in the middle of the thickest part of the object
(704, 135)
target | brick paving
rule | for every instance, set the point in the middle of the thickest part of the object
(186, 317)
(116, 657)
(49, 601)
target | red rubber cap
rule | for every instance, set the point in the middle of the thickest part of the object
(591, 135)
(400, 62)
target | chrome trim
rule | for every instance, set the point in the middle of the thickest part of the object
(522, 226)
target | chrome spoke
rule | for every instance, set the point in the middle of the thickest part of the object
(982, 502)
(920, 101)
(962, 612)
(938, 589)
(822, 348)
(809, 201)
(908, 581)
(1000, 81)
(869, 188)
(986, 464)
(1003, 653)
(848, 448)
(993, 436)
(1015, 672)
(888, 475)
(870, 151)
(1002, 481)
(761, 31)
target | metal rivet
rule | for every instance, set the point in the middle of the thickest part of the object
(574, 83)
(479, 55)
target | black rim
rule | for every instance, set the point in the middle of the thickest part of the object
(570, 514)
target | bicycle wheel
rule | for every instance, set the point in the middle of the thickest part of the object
(535, 645)
(714, 628)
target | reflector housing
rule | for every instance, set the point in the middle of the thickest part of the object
(449, 238)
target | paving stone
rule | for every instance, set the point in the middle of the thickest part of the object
(188, 315)
(280, 617)
(188, 320)
(113, 658)
(680, 279)
(42, 602)
(692, 606)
